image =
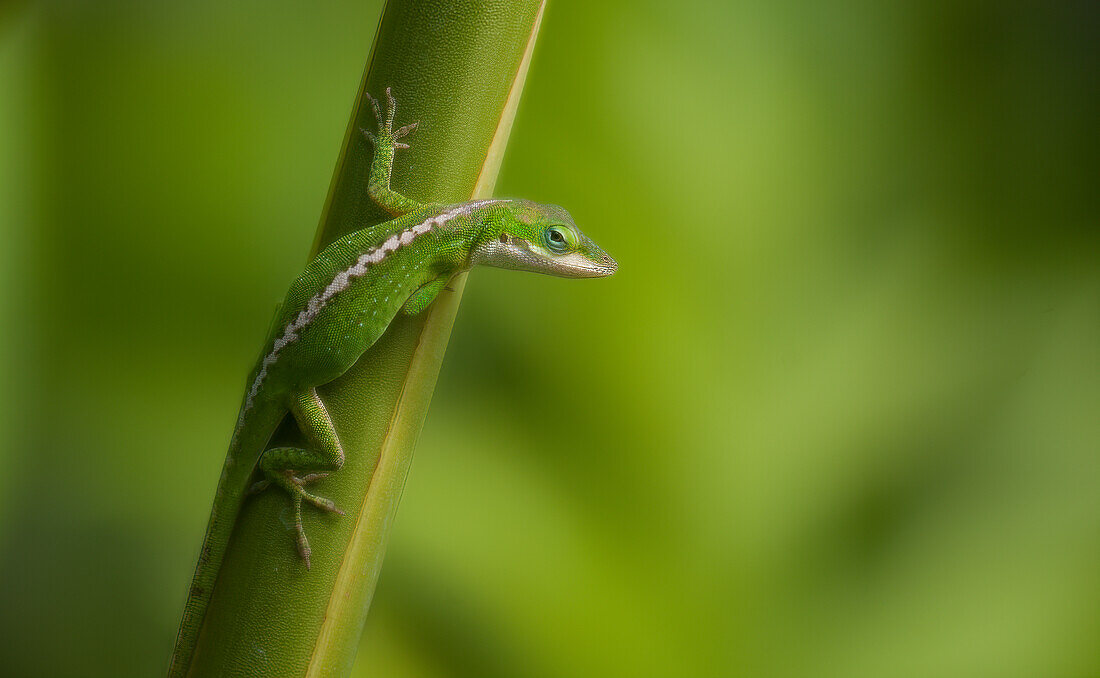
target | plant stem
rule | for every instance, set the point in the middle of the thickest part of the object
(458, 69)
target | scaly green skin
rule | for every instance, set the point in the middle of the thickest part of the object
(336, 309)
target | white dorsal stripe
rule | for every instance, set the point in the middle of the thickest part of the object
(341, 281)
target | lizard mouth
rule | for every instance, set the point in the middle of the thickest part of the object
(521, 255)
(599, 269)
(576, 265)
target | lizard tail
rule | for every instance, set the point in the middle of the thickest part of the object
(245, 450)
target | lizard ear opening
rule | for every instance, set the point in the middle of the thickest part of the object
(504, 237)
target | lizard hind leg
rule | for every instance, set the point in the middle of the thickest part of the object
(292, 468)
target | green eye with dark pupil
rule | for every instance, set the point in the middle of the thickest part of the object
(556, 240)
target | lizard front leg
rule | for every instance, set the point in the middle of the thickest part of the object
(425, 295)
(292, 468)
(386, 143)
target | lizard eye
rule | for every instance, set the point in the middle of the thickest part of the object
(557, 239)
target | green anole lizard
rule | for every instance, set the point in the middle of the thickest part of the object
(336, 309)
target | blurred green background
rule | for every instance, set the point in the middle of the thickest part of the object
(838, 414)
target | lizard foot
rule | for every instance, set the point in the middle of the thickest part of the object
(386, 133)
(295, 486)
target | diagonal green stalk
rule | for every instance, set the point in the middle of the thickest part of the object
(457, 68)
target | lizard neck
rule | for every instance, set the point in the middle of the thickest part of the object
(471, 223)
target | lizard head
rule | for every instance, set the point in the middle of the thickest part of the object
(529, 236)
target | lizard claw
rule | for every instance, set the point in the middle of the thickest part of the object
(295, 485)
(374, 107)
(392, 108)
(322, 503)
(302, 541)
(406, 130)
(386, 134)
